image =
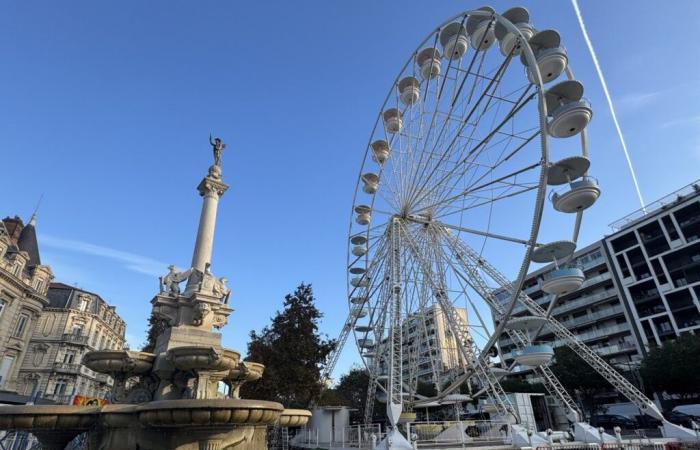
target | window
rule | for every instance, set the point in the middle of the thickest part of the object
(670, 228)
(77, 330)
(84, 302)
(60, 387)
(2, 306)
(39, 287)
(69, 357)
(21, 325)
(5, 367)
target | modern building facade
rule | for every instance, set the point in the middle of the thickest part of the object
(24, 283)
(74, 322)
(656, 259)
(642, 284)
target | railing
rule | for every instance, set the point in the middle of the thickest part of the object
(102, 378)
(18, 440)
(61, 399)
(79, 339)
(672, 198)
(66, 367)
(357, 436)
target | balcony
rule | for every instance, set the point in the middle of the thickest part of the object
(61, 399)
(77, 339)
(103, 378)
(66, 367)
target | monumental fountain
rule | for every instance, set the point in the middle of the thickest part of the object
(171, 399)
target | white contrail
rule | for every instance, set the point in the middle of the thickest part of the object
(609, 99)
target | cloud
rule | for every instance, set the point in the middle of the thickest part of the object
(691, 120)
(130, 261)
(638, 100)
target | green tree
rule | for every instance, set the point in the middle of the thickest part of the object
(155, 327)
(331, 397)
(674, 367)
(292, 351)
(580, 378)
(353, 387)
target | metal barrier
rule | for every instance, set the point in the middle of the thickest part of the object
(357, 436)
(23, 440)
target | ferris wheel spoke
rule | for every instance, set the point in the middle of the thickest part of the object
(522, 101)
(468, 192)
(491, 85)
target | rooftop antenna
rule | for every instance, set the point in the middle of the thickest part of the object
(610, 103)
(32, 220)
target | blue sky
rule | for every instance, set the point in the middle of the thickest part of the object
(106, 109)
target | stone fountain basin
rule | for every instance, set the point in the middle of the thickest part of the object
(119, 361)
(203, 358)
(48, 417)
(247, 371)
(294, 418)
(208, 412)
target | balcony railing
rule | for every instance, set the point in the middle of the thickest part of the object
(66, 367)
(61, 399)
(75, 338)
(102, 378)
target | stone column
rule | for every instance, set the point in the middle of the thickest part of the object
(211, 188)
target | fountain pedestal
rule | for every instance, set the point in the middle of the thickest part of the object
(169, 399)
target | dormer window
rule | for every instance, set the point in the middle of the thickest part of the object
(84, 302)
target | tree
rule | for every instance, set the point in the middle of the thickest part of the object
(578, 377)
(674, 367)
(155, 328)
(292, 351)
(353, 387)
(331, 397)
(518, 385)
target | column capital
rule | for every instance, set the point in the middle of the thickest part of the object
(209, 187)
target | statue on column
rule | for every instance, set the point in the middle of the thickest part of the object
(170, 283)
(218, 148)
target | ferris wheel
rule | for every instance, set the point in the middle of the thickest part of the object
(479, 143)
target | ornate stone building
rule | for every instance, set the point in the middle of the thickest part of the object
(24, 282)
(74, 322)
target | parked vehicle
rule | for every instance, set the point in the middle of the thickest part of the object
(610, 421)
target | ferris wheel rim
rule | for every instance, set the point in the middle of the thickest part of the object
(544, 150)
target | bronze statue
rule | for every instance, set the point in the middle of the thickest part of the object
(218, 148)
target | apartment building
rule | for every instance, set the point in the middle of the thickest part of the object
(24, 283)
(74, 322)
(427, 332)
(642, 284)
(596, 312)
(655, 255)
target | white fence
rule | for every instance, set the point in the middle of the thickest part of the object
(426, 434)
(357, 436)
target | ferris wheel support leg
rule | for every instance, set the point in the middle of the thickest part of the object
(394, 440)
(616, 379)
(459, 330)
(471, 266)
